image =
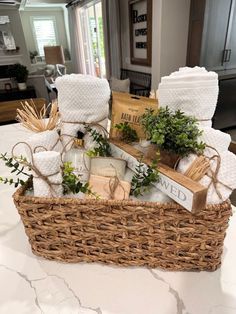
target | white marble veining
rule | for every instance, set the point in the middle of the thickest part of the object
(32, 285)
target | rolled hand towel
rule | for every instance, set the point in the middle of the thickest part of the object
(48, 140)
(49, 165)
(85, 94)
(189, 70)
(226, 176)
(196, 97)
(226, 179)
(215, 138)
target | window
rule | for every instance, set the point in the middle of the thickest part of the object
(91, 23)
(44, 32)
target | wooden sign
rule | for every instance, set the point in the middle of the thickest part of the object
(186, 192)
(140, 12)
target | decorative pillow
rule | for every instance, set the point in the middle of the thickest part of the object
(120, 85)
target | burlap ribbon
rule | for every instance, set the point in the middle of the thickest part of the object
(34, 168)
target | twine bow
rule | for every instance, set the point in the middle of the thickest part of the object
(34, 168)
(114, 183)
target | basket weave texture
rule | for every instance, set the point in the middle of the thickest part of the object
(124, 233)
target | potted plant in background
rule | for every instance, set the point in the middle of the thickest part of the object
(33, 54)
(173, 135)
(20, 73)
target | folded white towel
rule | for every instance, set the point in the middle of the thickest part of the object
(85, 94)
(49, 165)
(48, 140)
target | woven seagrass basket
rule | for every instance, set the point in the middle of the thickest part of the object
(124, 233)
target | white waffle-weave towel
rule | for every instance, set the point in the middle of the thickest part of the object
(226, 175)
(48, 140)
(49, 165)
(85, 94)
(193, 91)
(215, 138)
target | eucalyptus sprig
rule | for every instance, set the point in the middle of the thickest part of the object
(102, 145)
(15, 163)
(173, 131)
(143, 178)
(71, 182)
(128, 134)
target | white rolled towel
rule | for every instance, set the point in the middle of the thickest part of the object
(189, 70)
(199, 102)
(215, 138)
(85, 94)
(48, 140)
(49, 165)
(191, 78)
(226, 177)
(196, 97)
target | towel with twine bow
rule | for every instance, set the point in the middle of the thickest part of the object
(46, 171)
(217, 173)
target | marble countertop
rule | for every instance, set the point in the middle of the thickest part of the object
(30, 285)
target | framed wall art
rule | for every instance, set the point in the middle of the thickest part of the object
(140, 21)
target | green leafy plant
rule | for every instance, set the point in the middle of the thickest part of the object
(143, 178)
(15, 164)
(19, 72)
(33, 54)
(173, 131)
(102, 148)
(71, 182)
(128, 135)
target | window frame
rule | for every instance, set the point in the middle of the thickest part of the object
(40, 18)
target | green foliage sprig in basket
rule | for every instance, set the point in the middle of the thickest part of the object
(143, 178)
(102, 148)
(15, 164)
(71, 182)
(128, 135)
(173, 131)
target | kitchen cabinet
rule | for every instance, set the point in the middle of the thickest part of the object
(212, 34)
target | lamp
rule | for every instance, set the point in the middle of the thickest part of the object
(55, 55)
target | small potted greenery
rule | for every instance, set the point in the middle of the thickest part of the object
(173, 134)
(33, 54)
(20, 73)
